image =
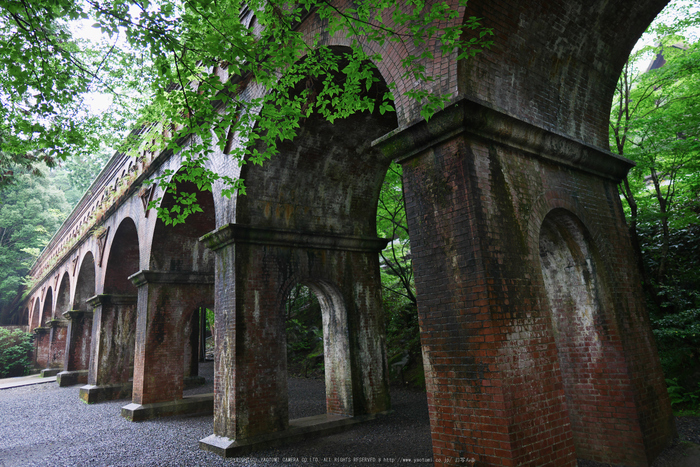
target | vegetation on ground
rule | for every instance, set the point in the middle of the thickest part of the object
(15, 352)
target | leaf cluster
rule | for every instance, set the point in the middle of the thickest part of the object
(210, 57)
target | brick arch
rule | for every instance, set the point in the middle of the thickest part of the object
(63, 296)
(555, 64)
(407, 110)
(123, 259)
(85, 282)
(177, 247)
(327, 179)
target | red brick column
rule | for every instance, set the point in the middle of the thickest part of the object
(112, 345)
(41, 347)
(255, 269)
(78, 341)
(478, 186)
(166, 302)
(57, 343)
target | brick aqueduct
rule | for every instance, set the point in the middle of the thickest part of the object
(536, 342)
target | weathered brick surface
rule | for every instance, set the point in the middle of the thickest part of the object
(57, 343)
(113, 333)
(78, 338)
(256, 269)
(507, 358)
(166, 303)
(41, 347)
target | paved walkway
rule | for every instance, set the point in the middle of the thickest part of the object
(7, 383)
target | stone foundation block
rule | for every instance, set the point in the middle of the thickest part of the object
(91, 394)
(71, 378)
(201, 404)
(299, 429)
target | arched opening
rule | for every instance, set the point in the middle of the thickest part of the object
(36, 315)
(326, 179)
(590, 356)
(123, 260)
(24, 319)
(85, 284)
(47, 310)
(318, 333)
(177, 247)
(42, 340)
(63, 297)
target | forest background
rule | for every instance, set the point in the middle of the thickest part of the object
(655, 121)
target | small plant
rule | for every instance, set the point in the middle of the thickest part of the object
(15, 352)
(682, 399)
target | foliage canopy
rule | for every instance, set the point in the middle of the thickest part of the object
(181, 49)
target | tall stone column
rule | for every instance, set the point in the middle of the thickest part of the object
(255, 270)
(478, 186)
(111, 348)
(77, 354)
(166, 305)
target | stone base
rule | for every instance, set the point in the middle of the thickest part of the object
(70, 378)
(47, 372)
(194, 381)
(93, 394)
(200, 404)
(299, 429)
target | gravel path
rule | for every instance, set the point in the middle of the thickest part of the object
(44, 425)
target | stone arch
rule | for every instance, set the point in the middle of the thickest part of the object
(85, 282)
(79, 332)
(590, 353)
(176, 288)
(63, 297)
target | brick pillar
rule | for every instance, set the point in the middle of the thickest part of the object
(478, 185)
(77, 353)
(166, 304)
(78, 341)
(255, 269)
(111, 348)
(41, 347)
(57, 343)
